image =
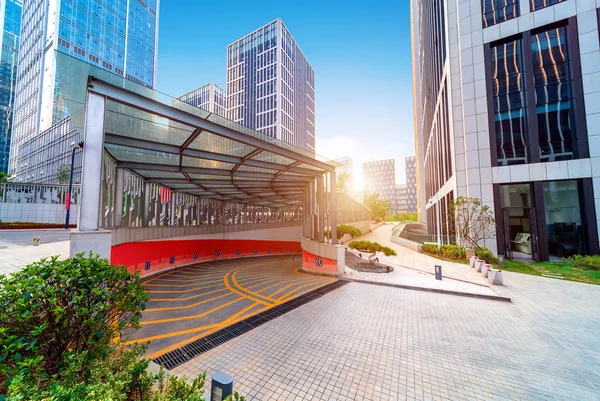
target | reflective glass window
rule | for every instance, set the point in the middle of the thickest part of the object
(496, 11)
(537, 4)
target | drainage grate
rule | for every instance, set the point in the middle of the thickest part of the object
(176, 357)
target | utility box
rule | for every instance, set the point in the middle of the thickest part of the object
(438, 272)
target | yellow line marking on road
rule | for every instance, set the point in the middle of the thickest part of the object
(180, 285)
(192, 305)
(260, 280)
(290, 282)
(176, 319)
(182, 291)
(192, 280)
(188, 298)
(290, 294)
(212, 328)
(256, 294)
(240, 293)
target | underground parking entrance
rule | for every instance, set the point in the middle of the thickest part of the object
(196, 308)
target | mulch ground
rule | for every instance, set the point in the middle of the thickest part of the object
(364, 265)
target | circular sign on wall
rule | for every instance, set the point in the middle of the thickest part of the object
(217, 253)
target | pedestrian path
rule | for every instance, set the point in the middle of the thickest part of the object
(16, 257)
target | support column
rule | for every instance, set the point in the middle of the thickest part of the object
(89, 208)
(172, 216)
(88, 237)
(119, 186)
(146, 210)
(321, 208)
(333, 208)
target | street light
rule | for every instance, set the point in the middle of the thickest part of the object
(68, 199)
(432, 201)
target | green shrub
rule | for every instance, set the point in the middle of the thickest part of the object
(453, 252)
(590, 262)
(485, 254)
(372, 247)
(344, 229)
(429, 248)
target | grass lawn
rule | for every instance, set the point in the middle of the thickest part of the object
(565, 269)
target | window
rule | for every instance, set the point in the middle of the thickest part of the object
(537, 4)
(508, 91)
(496, 11)
(554, 94)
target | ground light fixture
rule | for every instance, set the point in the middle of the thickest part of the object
(222, 386)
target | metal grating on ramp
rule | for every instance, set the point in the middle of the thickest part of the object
(176, 357)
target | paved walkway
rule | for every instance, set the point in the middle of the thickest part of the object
(17, 250)
(365, 342)
(415, 269)
(193, 302)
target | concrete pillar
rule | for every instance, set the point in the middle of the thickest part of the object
(320, 208)
(332, 207)
(89, 208)
(119, 186)
(146, 210)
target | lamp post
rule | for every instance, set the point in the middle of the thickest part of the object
(68, 199)
(432, 201)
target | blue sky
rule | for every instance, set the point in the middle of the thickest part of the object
(360, 52)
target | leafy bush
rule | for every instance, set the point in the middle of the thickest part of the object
(53, 308)
(453, 252)
(372, 247)
(485, 254)
(590, 262)
(429, 248)
(345, 229)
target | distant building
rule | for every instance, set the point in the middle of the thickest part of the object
(400, 204)
(411, 184)
(10, 21)
(271, 86)
(209, 97)
(117, 36)
(380, 177)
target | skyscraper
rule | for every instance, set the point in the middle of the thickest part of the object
(507, 110)
(380, 177)
(10, 21)
(411, 184)
(209, 97)
(120, 36)
(271, 86)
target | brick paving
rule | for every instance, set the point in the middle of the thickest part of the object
(366, 342)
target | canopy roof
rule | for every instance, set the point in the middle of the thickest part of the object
(185, 148)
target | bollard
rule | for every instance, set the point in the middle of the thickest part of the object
(222, 386)
(438, 272)
(479, 265)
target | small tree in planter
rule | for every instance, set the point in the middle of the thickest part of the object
(472, 221)
(372, 248)
(343, 229)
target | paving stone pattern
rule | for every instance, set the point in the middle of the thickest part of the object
(367, 342)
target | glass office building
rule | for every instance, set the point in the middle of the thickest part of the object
(10, 21)
(271, 86)
(380, 177)
(120, 36)
(209, 97)
(507, 110)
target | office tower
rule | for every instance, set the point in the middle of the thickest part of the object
(10, 21)
(507, 110)
(271, 86)
(209, 97)
(120, 36)
(400, 204)
(411, 184)
(380, 177)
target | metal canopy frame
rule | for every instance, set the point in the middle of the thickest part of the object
(247, 179)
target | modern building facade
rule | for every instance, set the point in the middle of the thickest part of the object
(271, 86)
(10, 22)
(401, 199)
(411, 184)
(209, 97)
(507, 110)
(120, 36)
(380, 177)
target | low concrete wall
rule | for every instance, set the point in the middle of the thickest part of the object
(415, 246)
(364, 226)
(54, 213)
(323, 258)
(282, 231)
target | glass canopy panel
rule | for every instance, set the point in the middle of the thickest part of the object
(309, 167)
(159, 174)
(209, 177)
(257, 169)
(202, 163)
(135, 155)
(273, 158)
(182, 186)
(217, 144)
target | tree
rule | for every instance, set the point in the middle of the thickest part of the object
(473, 221)
(3, 176)
(403, 216)
(379, 208)
(64, 173)
(343, 183)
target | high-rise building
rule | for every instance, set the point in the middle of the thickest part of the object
(10, 22)
(209, 97)
(411, 184)
(400, 204)
(120, 36)
(380, 177)
(507, 110)
(271, 86)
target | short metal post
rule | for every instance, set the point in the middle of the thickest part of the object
(222, 386)
(438, 272)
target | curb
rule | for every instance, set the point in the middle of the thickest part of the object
(426, 289)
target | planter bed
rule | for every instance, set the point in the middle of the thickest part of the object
(364, 265)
